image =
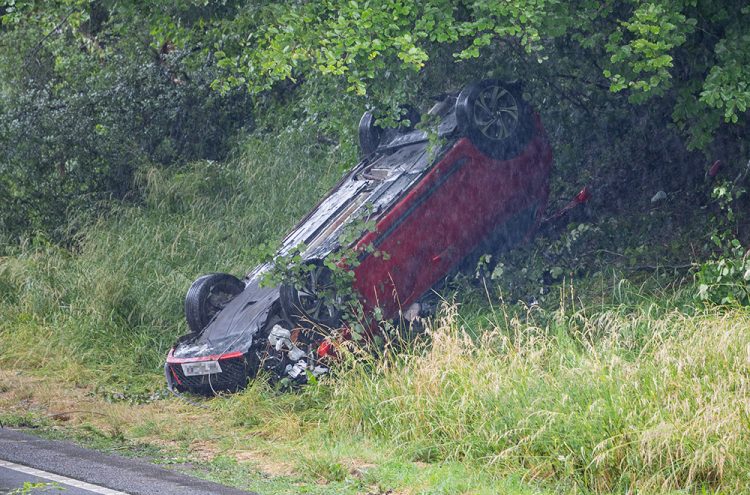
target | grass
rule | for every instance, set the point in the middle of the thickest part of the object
(583, 403)
(579, 401)
(608, 386)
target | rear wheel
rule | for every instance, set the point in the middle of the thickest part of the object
(495, 118)
(207, 296)
(314, 303)
(369, 134)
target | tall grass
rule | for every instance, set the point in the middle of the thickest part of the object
(577, 402)
(115, 305)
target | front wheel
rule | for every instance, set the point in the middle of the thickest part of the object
(495, 118)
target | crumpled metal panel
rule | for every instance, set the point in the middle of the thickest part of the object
(370, 188)
(392, 186)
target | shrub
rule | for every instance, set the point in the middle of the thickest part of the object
(73, 139)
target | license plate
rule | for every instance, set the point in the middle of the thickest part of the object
(201, 368)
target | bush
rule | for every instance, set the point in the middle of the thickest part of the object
(74, 139)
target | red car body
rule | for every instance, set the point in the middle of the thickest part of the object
(465, 197)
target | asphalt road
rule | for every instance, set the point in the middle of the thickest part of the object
(84, 472)
(13, 477)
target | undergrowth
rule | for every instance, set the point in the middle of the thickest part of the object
(110, 309)
(579, 400)
(621, 381)
(648, 396)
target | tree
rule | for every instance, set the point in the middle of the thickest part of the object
(694, 54)
(87, 101)
(585, 61)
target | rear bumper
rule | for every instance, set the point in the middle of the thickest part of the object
(233, 376)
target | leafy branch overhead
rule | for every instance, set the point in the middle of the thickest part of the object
(643, 48)
(694, 52)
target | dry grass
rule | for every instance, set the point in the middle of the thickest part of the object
(646, 397)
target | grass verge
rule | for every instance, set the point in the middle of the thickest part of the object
(632, 398)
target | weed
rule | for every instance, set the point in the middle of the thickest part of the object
(604, 383)
(578, 399)
(21, 420)
(323, 468)
(42, 487)
(109, 313)
(725, 278)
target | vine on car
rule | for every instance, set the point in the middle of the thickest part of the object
(341, 304)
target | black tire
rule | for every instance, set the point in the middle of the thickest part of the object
(207, 296)
(369, 134)
(495, 118)
(313, 304)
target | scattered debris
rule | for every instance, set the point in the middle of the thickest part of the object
(281, 339)
(430, 209)
(412, 312)
(582, 197)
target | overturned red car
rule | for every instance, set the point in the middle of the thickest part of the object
(481, 186)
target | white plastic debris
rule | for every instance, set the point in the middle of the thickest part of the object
(319, 370)
(281, 339)
(659, 196)
(412, 312)
(296, 370)
(295, 353)
(279, 336)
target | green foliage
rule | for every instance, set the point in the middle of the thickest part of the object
(590, 399)
(39, 487)
(293, 268)
(76, 143)
(727, 85)
(114, 85)
(22, 420)
(324, 468)
(642, 46)
(725, 277)
(83, 113)
(384, 50)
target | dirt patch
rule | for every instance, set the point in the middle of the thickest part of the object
(161, 423)
(203, 450)
(357, 467)
(70, 405)
(23, 393)
(265, 464)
